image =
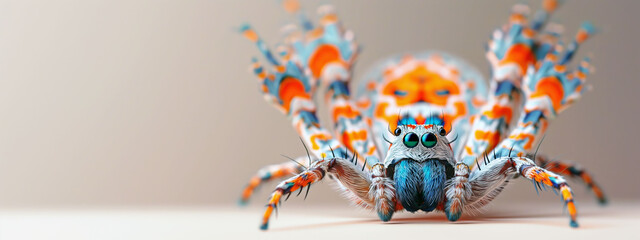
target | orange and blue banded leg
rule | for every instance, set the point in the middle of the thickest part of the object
(269, 173)
(573, 171)
(510, 51)
(327, 52)
(529, 170)
(290, 90)
(549, 89)
(493, 174)
(352, 179)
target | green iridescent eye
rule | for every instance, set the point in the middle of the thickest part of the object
(429, 140)
(411, 140)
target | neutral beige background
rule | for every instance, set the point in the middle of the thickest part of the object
(111, 103)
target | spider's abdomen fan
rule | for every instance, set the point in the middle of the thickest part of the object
(420, 185)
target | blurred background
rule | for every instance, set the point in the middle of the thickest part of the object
(151, 103)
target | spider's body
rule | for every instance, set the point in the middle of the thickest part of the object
(425, 132)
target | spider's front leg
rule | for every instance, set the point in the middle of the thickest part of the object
(269, 173)
(490, 179)
(574, 171)
(375, 191)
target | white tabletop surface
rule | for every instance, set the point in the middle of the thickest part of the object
(620, 221)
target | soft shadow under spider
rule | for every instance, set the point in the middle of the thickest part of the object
(441, 219)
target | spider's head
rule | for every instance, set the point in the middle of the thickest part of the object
(419, 143)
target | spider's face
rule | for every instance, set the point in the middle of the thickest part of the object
(419, 143)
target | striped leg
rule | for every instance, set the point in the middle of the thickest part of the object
(343, 170)
(529, 170)
(548, 89)
(290, 90)
(510, 51)
(573, 171)
(327, 53)
(268, 173)
(492, 176)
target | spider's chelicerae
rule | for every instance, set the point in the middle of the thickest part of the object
(423, 132)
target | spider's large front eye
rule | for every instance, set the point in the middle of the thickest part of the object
(411, 140)
(429, 140)
(397, 132)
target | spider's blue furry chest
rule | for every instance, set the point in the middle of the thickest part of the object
(420, 185)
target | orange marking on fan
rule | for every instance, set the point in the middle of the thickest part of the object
(421, 84)
(491, 137)
(344, 111)
(329, 18)
(519, 54)
(582, 36)
(291, 6)
(521, 136)
(251, 35)
(468, 150)
(549, 5)
(321, 57)
(319, 136)
(371, 150)
(477, 102)
(498, 111)
(371, 85)
(363, 104)
(290, 88)
(348, 137)
(551, 87)
(380, 114)
(461, 110)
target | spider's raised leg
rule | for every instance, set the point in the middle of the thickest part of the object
(548, 89)
(291, 90)
(327, 52)
(574, 171)
(511, 50)
(489, 180)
